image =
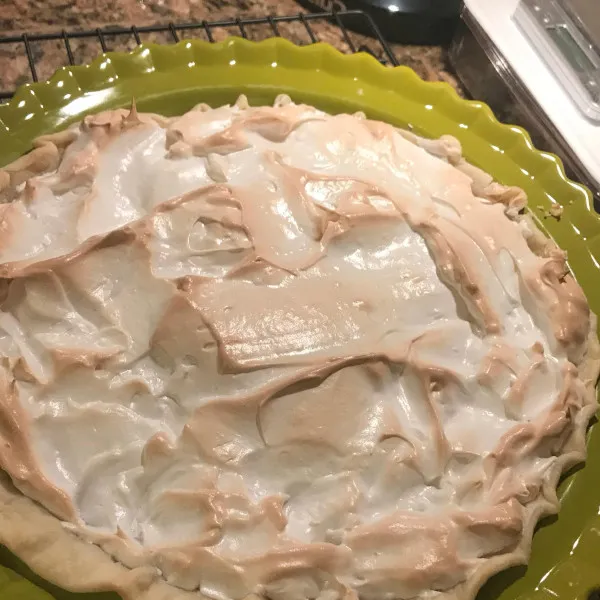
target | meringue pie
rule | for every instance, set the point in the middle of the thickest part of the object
(271, 351)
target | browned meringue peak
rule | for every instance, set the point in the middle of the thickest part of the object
(407, 554)
(44, 157)
(221, 131)
(482, 184)
(183, 363)
(568, 310)
(270, 350)
(201, 234)
(89, 311)
(17, 457)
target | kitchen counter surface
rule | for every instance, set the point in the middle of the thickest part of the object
(27, 16)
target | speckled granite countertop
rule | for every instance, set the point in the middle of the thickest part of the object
(26, 16)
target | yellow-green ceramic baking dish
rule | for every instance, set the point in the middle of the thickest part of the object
(565, 560)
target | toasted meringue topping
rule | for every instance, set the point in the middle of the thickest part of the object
(272, 350)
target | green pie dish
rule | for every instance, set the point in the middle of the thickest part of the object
(565, 558)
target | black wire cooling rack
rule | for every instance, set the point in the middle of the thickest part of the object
(119, 38)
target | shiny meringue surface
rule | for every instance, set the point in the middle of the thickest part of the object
(270, 350)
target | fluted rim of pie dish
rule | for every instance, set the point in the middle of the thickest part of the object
(177, 76)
